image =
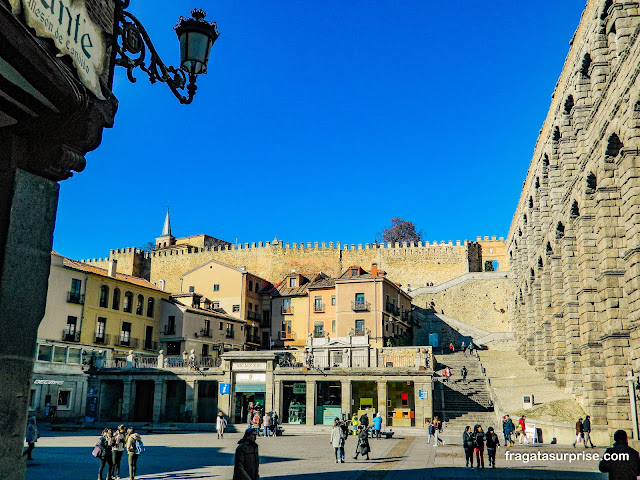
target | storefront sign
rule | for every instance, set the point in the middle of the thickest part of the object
(423, 394)
(250, 366)
(73, 33)
(251, 388)
(251, 377)
(48, 382)
(299, 388)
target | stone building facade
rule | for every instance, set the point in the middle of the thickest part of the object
(574, 242)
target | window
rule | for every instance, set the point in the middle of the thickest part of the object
(64, 399)
(74, 355)
(148, 338)
(250, 285)
(205, 350)
(359, 325)
(286, 330)
(333, 299)
(59, 354)
(230, 333)
(139, 305)
(100, 328)
(220, 325)
(216, 287)
(125, 334)
(104, 296)
(192, 289)
(45, 352)
(74, 293)
(207, 328)
(286, 305)
(293, 282)
(128, 302)
(150, 305)
(116, 299)
(333, 326)
(32, 399)
(318, 329)
(359, 298)
(250, 306)
(317, 304)
(354, 272)
(171, 325)
(70, 331)
(257, 286)
(236, 308)
(215, 304)
(173, 348)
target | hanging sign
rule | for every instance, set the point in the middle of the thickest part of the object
(67, 23)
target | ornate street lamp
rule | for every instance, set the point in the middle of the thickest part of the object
(196, 36)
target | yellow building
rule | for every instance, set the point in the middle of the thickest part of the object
(369, 303)
(120, 311)
(236, 292)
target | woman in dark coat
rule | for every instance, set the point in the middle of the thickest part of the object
(478, 438)
(363, 447)
(468, 444)
(247, 462)
(106, 458)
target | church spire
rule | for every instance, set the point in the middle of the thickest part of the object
(166, 229)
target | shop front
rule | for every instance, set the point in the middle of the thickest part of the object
(401, 404)
(294, 402)
(249, 389)
(364, 399)
(328, 402)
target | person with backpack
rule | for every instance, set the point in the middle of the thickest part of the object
(106, 458)
(478, 445)
(221, 424)
(493, 442)
(507, 429)
(468, 445)
(364, 422)
(135, 448)
(363, 447)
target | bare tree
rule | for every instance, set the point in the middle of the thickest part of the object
(400, 231)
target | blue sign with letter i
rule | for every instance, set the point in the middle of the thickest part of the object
(225, 388)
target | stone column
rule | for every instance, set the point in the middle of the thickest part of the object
(346, 397)
(277, 398)
(311, 402)
(557, 319)
(571, 313)
(547, 312)
(191, 400)
(27, 214)
(382, 400)
(158, 400)
(128, 399)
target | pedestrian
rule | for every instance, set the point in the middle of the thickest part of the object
(364, 422)
(463, 347)
(106, 457)
(337, 440)
(464, 372)
(221, 424)
(354, 424)
(432, 432)
(117, 449)
(522, 430)
(478, 445)
(247, 460)
(31, 437)
(468, 444)
(437, 430)
(507, 429)
(134, 449)
(257, 419)
(579, 432)
(363, 447)
(586, 427)
(451, 348)
(274, 424)
(266, 423)
(627, 465)
(377, 425)
(493, 443)
(471, 347)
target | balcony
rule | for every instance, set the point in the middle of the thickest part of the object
(169, 330)
(253, 316)
(75, 297)
(287, 310)
(287, 335)
(204, 333)
(318, 333)
(318, 307)
(150, 346)
(360, 306)
(126, 342)
(253, 339)
(391, 308)
(102, 339)
(70, 337)
(359, 332)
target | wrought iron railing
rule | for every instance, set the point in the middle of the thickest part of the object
(126, 342)
(391, 308)
(104, 339)
(287, 310)
(169, 330)
(150, 346)
(75, 297)
(360, 306)
(70, 336)
(318, 307)
(253, 316)
(287, 335)
(204, 333)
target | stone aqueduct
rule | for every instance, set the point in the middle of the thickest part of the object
(574, 242)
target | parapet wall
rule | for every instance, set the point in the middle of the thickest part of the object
(413, 265)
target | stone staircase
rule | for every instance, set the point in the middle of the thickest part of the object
(460, 404)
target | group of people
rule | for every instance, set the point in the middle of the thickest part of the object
(340, 433)
(509, 430)
(111, 447)
(435, 429)
(474, 441)
(257, 418)
(363, 421)
(583, 432)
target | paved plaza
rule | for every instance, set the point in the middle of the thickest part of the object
(190, 456)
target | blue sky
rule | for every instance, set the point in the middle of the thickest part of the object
(321, 120)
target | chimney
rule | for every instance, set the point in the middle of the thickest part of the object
(374, 269)
(111, 269)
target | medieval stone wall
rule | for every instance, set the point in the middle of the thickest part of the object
(410, 265)
(573, 243)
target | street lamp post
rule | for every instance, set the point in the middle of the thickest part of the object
(196, 36)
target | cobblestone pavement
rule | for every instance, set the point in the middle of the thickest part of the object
(191, 456)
